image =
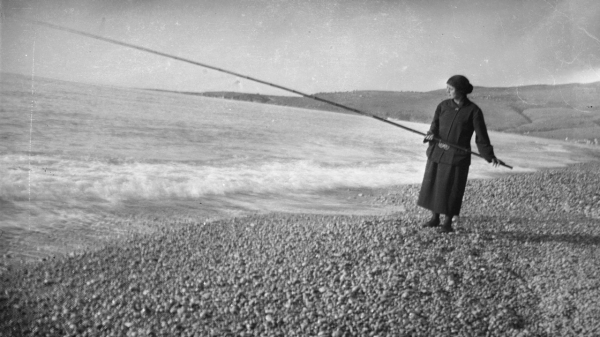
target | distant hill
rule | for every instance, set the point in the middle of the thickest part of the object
(565, 111)
(552, 111)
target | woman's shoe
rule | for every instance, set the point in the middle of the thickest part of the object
(446, 229)
(447, 226)
(434, 222)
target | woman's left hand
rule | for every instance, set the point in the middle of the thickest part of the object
(496, 162)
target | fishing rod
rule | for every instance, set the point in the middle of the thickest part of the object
(316, 98)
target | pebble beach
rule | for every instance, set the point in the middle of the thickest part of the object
(523, 261)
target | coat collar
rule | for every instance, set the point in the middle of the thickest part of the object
(465, 102)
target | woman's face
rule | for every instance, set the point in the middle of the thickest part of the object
(452, 93)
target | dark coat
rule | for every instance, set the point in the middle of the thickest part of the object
(446, 172)
(455, 124)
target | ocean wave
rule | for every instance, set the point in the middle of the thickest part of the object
(50, 178)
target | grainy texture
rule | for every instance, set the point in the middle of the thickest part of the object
(523, 262)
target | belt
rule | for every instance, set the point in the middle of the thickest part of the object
(443, 146)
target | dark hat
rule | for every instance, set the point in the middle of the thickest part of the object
(461, 84)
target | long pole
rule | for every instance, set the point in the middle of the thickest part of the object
(97, 37)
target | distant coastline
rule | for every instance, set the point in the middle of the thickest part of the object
(568, 112)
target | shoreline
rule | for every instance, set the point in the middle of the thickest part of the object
(523, 261)
(140, 217)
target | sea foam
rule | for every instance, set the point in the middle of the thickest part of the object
(50, 178)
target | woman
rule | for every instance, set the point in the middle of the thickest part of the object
(447, 168)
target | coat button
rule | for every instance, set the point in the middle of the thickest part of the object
(456, 109)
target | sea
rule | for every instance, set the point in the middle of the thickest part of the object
(73, 155)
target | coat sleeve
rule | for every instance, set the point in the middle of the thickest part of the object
(435, 124)
(434, 129)
(481, 137)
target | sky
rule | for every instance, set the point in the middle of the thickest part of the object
(309, 46)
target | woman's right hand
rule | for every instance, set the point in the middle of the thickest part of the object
(428, 137)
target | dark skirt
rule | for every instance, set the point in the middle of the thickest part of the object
(443, 188)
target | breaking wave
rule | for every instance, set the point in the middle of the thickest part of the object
(52, 178)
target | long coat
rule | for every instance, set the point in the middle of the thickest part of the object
(446, 172)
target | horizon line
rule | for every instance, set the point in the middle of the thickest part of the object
(320, 92)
